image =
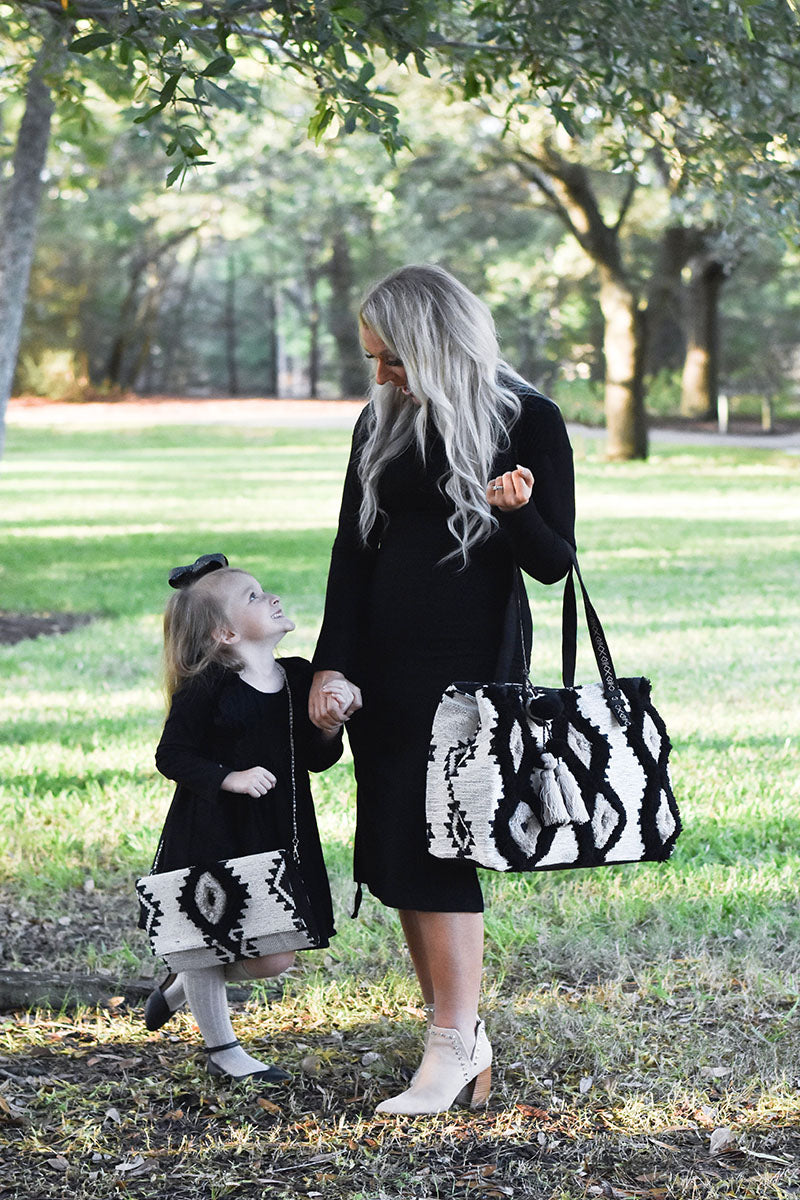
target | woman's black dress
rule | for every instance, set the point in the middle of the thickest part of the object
(403, 625)
(218, 723)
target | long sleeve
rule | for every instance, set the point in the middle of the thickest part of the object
(315, 750)
(542, 532)
(351, 566)
(182, 753)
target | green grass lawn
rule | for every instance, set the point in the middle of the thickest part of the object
(672, 989)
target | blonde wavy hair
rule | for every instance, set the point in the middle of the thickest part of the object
(445, 338)
(192, 620)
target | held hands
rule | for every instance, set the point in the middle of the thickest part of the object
(256, 781)
(332, 700)
(510, 491)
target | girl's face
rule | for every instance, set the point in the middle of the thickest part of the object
(253, 614)
(388, 368)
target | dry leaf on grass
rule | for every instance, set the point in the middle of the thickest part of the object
(723, 1141)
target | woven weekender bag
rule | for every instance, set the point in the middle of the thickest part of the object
(522, 778)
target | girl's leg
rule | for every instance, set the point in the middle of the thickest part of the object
(447, 952)
(205, 992)
(266, 967)
(164, 1001)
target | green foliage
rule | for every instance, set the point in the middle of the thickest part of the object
(616, 999)
(689, 559)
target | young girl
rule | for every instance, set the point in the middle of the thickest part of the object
(235, 711)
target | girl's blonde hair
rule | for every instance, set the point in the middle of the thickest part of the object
(446, 340)
(193, 619)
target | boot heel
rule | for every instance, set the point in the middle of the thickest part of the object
(479, 1088)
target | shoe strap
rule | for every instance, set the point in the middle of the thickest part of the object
(227, 1046)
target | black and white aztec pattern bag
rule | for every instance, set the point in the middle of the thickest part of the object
(522, 778)
(238, 908)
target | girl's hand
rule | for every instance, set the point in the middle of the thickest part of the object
(332, 700)
(256, 781)
(510, 491)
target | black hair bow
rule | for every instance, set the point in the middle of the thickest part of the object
(181, 577)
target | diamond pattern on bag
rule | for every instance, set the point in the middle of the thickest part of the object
(604, 822)
(459, 829)
(580, 745)
(651, 737)
(525, 829)
(516, 745)
(457, 757)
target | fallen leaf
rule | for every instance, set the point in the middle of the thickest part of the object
(529, 1110)
(715, 1072)
(723, 1141)
(311, 1064)
(10, 1113)
(132, 1166)
(269, 1105)
(113, 1115)
(59, 1163)
(586, 1084)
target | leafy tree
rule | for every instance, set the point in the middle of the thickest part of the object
(711, 87)
(174, 60)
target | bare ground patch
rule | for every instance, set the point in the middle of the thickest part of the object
(16, 627)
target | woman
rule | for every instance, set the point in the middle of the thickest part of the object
(460, 471)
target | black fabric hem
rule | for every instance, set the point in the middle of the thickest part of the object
(415, 905)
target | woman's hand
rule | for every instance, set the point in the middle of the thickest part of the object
(510, 491)
(332, 700)
(256, 781)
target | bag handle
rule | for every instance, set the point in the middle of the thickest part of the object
(602, 654)
(514, 628)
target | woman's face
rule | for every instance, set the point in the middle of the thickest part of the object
(388, 368)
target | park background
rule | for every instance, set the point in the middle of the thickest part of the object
(645, 1018)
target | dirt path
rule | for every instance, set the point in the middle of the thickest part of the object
(325, 414)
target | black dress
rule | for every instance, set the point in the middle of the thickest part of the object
(218, 723)
(403, 625)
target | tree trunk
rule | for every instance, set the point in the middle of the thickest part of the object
(20, 990)
(313, 332)
(570, 192)
(173, 344)
(273, 344)
(18, 230)
(700, 382)
(666, 340)
(342, 318)
(231, 338)
(623, 347)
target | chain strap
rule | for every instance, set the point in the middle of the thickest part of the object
(295, 837)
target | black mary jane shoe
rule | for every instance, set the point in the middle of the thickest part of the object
(156, 1010)
(268, 1075)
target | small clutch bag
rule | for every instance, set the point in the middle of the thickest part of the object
(238, 908)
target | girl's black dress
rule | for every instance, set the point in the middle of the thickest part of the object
(218, 723)
(403, 625)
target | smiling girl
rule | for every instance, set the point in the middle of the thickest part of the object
(239, 744)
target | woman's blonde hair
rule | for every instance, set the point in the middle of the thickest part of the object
(193, 619)
(446, 340)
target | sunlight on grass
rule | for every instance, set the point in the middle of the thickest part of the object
(691, 560)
